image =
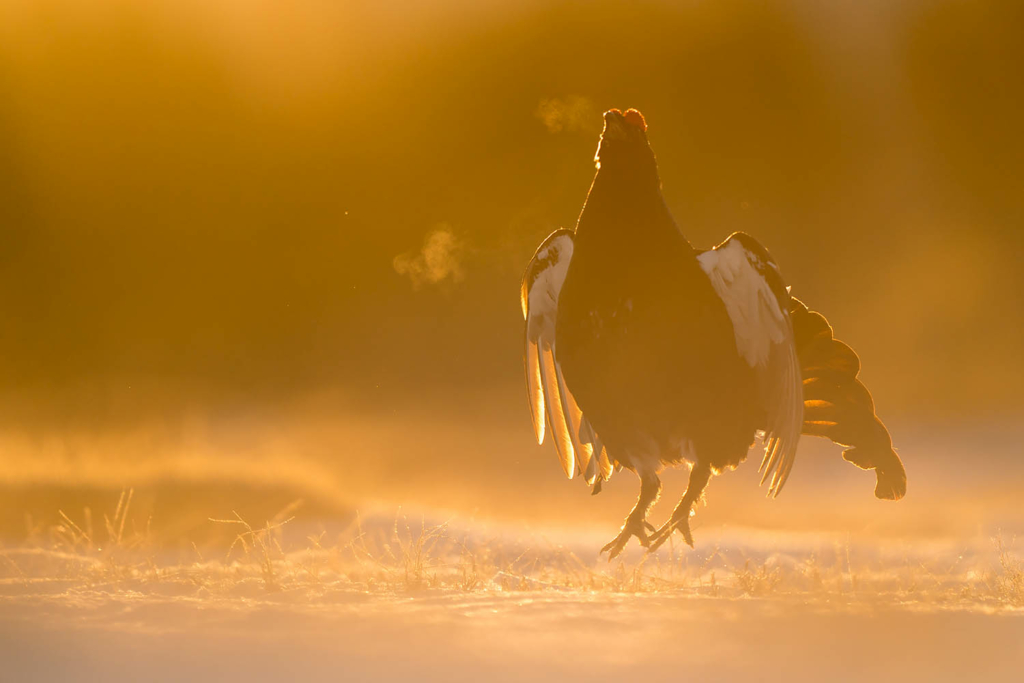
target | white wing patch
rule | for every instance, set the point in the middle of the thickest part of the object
(552, 405)
(764, 339)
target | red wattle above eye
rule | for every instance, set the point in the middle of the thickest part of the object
(634, 117)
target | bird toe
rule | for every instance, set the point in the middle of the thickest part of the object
(630, 529)
(677, 523)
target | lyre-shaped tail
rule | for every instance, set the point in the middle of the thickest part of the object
(838, 406)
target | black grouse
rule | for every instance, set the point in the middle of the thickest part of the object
(642, 351)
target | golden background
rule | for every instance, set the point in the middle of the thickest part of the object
(243, 237)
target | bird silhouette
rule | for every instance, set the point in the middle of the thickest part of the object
(643, 352)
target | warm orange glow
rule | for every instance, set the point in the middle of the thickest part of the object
(259, 264)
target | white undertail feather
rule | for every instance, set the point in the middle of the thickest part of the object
(764, 339)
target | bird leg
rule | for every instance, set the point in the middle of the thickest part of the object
(699, 476)
(636, 521)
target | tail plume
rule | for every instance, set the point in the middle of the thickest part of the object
(838, 406)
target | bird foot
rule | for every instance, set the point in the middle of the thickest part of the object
(678, 522)
(634, 526)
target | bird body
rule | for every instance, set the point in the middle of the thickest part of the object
(644, 341)
(642, 352)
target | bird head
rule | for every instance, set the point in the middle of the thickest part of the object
(624, 142)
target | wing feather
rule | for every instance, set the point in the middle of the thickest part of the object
(748, 282)
(573, 419)
(553, 408)
(535, 388)
(556, 416)
(599, 467)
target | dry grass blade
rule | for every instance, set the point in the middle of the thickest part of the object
(258, 542)
(1010, 582)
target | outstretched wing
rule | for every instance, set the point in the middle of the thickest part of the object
(757, 300)
(552, 405)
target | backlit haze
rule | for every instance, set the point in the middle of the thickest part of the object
(280, 245)
(263, 412)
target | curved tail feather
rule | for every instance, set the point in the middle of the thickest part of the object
(838, 406)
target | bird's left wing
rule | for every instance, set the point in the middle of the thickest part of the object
(552, 406)
(757, 300)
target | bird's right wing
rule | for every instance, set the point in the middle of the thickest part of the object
(749, 284)
(552, 405)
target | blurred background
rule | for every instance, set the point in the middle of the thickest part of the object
(276, 247)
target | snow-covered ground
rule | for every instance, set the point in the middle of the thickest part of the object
(350, 575)
(400, 597)
(107, 634)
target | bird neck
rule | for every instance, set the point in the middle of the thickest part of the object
(626, 203)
